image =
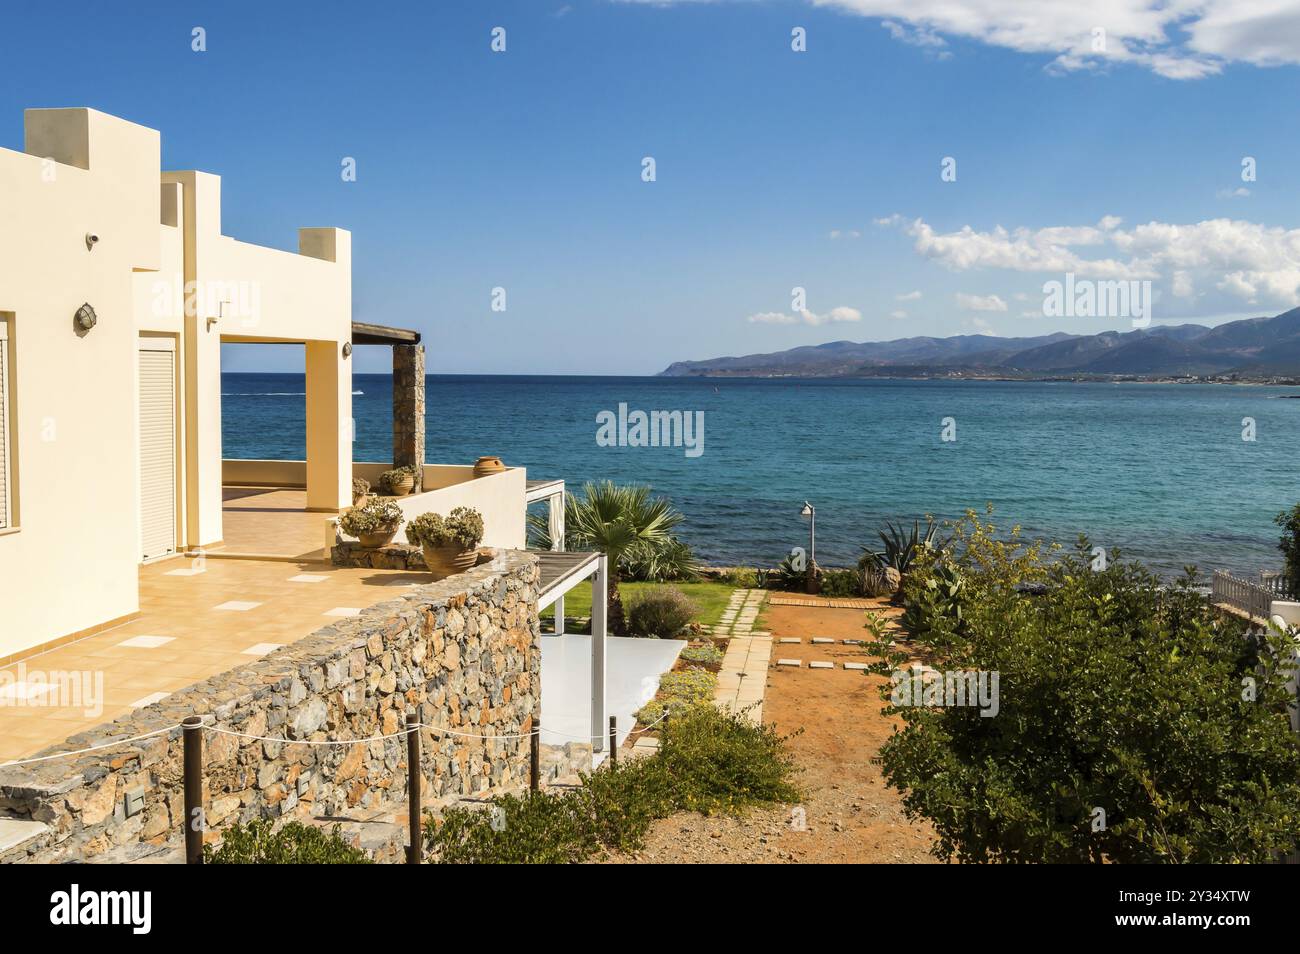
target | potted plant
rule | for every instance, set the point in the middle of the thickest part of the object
(449, 543)
(399, 481)
(360, 491)
(374, 525)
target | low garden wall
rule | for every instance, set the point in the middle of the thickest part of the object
(465, 653)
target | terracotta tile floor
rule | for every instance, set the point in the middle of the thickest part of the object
(270, 521)
(203, 641)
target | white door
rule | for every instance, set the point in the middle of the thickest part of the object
(157, 450)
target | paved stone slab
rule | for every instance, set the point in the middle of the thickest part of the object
(853, 642)
(857, 667)
(789, 639)
(13, 832)
(789, 662)
(821, 640)
(821, 665)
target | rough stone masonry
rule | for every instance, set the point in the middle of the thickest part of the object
(464, 653)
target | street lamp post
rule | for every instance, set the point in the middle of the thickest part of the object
(810, 512)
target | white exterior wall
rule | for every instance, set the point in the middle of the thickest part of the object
(70, 562)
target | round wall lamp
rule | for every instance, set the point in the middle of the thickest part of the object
(347, 349)
(86, 317)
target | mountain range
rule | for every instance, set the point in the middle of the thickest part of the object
(1249, 348)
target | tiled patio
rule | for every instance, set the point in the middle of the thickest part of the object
(270, 521)
(198, 618)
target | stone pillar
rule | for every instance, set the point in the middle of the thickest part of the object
(408, 409)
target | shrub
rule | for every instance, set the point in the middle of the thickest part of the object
(933, 603)
(463, 527)
(1289, 544)
(841, 583)
(658, 562)
(662, 611)
(740, 577)
(1116, 692)
(372, 518)
(258, 843)
(360, 486)
(788, 576)
(901, 548)
(707, 654)
(679, 692)
(708, 761)
(875, 582)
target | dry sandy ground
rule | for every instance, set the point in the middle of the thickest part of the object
(851, 817)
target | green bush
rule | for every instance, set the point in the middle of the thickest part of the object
(1116, 693)
(679, 691)
(662, 611)
(708, 761)
(659, 562)
(841, 583)
(258, 843)
(740, 577)
(1289, 544)
(901, 548)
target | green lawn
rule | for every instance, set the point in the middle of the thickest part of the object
(711, 598)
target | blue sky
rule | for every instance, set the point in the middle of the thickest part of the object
(774, 168)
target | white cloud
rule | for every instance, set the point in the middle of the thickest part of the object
(898, 314)
(1238, 193)
(845, 234)
(980, 302)
(836, 315)
(908, 296)
(1178, 39)
(1245, 261)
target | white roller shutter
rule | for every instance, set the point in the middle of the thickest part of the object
(6, 506)
(157, 453)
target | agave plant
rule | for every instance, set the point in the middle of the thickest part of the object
(623, 522)
(901, 548)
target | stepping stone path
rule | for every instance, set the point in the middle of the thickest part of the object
(743, 676)
(789, 662)
(741, 613)
(819, 640)
(821, 665)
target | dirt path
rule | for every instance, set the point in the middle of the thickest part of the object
(851, 817)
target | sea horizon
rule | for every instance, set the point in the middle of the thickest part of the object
(1110, 460)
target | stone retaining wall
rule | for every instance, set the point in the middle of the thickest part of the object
(464, 652)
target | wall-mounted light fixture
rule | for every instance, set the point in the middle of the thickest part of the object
(86, 317)
(92, 240)
(347, 349)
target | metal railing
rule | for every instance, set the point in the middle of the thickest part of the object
(1253, 599)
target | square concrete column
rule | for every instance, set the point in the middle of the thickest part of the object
(408, 409)
(329, 427)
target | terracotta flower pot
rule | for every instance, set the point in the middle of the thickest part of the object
(486, 466)
(379, 538)
(402, 487)
(449, 560)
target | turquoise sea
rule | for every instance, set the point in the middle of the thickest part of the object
(1159, 471)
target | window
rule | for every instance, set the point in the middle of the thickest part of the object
(6, 452)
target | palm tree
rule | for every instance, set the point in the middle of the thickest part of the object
(613, 519)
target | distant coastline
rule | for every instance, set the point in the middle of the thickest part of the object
(1249, 351)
